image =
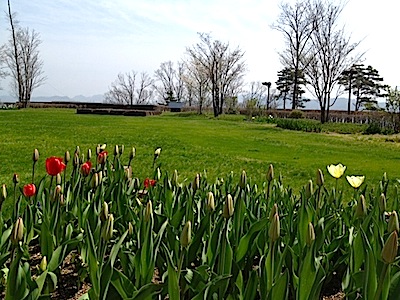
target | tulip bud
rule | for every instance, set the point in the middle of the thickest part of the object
(121, 149)
(67, 157)
(393, 224)
(58, 178)
(389, 250)
(196, 183)
(57, 192)
(275, 228)
(157, 153)
(130, 228)
(108, 228)
(320, 178)
(175, 178)
(186, 236)
(18, 231)
(94, 183)
(158, 175)
(116, 150)
(309, 189)
(382, 203)
(104, 212)
(76, 162)
(228, 207)
(98, 149)
(310, 234)
(43, 264)
(132, 154)
(16, 178)
(89, 154)
(100, 176)
(78, 150)
(62, 200)
(148, 211)
(384, 178)
(274, 211)
(35, 156)
(243, 179)
(361, 209)
(210, 201)
(270, 174)
(128, 172)
(3, 194)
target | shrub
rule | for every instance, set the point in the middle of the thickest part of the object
(300, 125)
(296, 114)
(373, 128)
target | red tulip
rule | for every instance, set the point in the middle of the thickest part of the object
(149, 182)
(85, 168)
(29, 190)
(54, 165)
(101, 157)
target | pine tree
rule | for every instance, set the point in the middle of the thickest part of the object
(285, 85)
(365, 84)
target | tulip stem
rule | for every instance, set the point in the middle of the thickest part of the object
(33, 172)
(180, 269)
(270, 271)
(15, 202)
(381, 281)
(318, 200)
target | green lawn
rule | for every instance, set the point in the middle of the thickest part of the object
(191, 144)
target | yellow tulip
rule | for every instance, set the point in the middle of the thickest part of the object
(355, 181)
(336, 171)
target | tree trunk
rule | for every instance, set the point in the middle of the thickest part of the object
(20, 99)
(322, 116)
(294, 99)
(349, 100)
(284, 101)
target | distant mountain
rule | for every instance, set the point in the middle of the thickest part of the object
(80, 98)
(340, 104)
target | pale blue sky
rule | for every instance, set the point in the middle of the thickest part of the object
(86, 43)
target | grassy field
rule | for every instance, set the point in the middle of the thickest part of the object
(191, 144)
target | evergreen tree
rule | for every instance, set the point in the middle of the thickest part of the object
(286, 83)
(364, 83)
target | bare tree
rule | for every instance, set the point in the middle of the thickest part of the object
(165, 74)
(172, 81)
(3, 72)
(126, 90)
(297, 25)
(256, 93)
(23, 59)
(223, 67)
(144, 90)
(328, 55)
(197, 82)
(179, 81)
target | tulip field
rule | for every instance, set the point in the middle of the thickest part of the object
(132, 226)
